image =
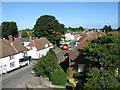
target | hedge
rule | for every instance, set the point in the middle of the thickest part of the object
(58, 77)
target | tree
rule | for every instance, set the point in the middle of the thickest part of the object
(81, 28)
(9, 28)
(104, 55)
(107, 28)
(100, 79)
(47, 26)
(47, 64)
(104, 50)
(24, 34)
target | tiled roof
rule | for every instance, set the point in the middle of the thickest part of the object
(7, 49)
(39, 43)
(115, 32)
(84, 42)
(19, 47)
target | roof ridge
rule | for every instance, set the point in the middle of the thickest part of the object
(13, 47)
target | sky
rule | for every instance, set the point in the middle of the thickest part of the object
(71, 14)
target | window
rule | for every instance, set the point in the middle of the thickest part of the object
(12, 64)
(31, 48)
(11, 57)
(24, 53)
(80, 67)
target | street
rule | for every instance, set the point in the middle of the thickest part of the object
(18, 78)
(60, 53)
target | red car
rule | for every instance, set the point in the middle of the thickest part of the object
(65, 46)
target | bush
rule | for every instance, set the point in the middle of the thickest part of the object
(58, 77)
(67, 72)
(78, 75)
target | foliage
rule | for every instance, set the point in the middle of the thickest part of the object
(47, 26)
(73, 82)
(78, 75)
(67, 71)
(58, 77)
(76, 29)
(107, 28)
(47, 64)
(105, 52)
(22, 43)
(24, 34)
(100, 79)
(9, 28)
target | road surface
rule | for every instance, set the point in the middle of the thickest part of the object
(60, 53)
(18, 78)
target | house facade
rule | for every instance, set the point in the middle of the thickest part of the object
(39, 47)
(11, 53)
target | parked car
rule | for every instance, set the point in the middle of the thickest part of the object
(33, 71)
(66, 54)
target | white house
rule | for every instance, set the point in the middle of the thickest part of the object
(39, 47)
(11, 53)
(69, 36)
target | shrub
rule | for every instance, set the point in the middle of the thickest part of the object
(78, 75)
(67, 72)
(58, 77)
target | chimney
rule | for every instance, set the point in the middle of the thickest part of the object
(30, 38)
(36, 37)
(10, 38)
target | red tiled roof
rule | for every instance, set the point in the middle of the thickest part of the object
(39, 43)
(115, 32)
(84, 42)
(7, 49)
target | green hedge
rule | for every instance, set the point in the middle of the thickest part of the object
(58, 77)
(67, 72)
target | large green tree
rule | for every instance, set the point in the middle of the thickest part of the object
(104, 55)
(9, 28)
(47, 26)
(100, 79)
(47, 64)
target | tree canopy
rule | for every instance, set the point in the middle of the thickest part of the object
(24, 34)
(9, 28)
(100, 79)
(47, 64)
(47, 26)
(105, 52)
(76, 29)
(107, 28)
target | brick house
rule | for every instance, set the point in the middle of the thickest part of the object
(76, 62)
